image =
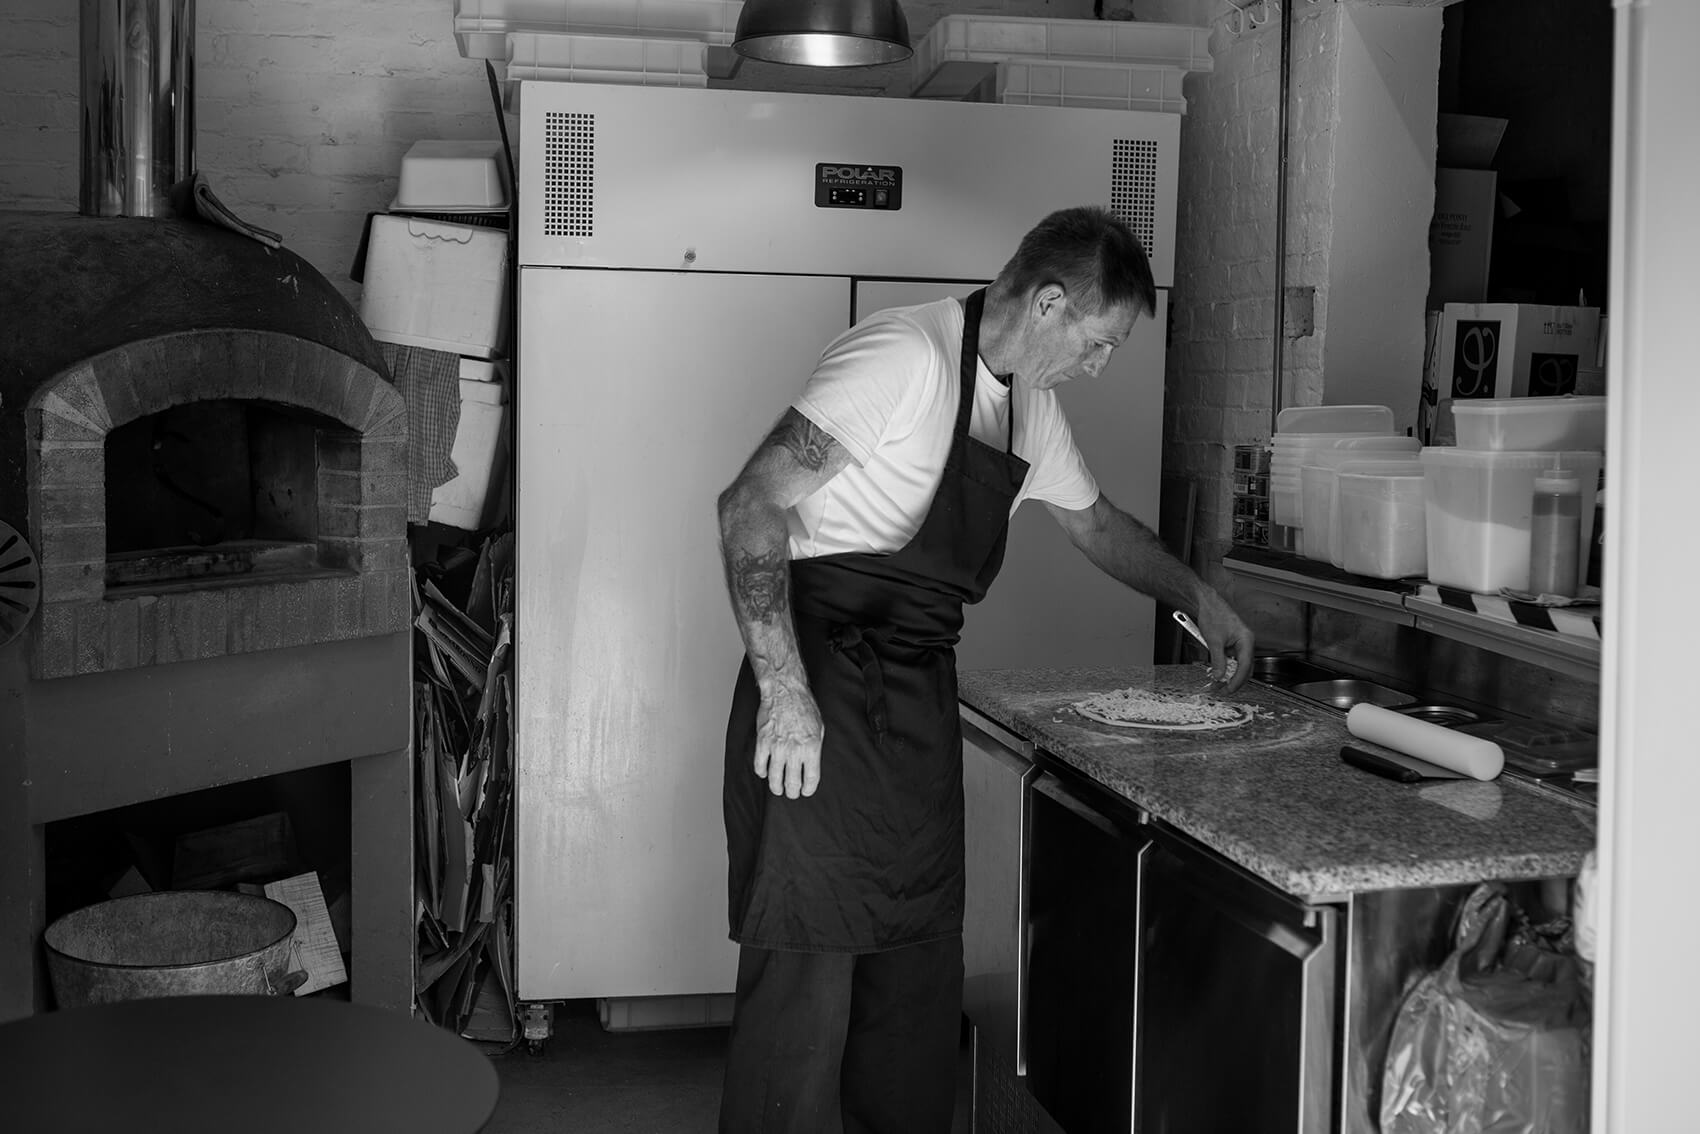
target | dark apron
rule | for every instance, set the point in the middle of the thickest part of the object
(873, 860)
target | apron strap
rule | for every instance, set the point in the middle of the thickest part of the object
(854, 641)
(969, 369)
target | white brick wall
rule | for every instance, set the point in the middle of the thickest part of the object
(1221, 359)
(303, 109)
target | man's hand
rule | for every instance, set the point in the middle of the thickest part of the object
(788, 740)
(1228, 637)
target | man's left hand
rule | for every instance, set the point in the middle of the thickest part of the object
(1230, 640)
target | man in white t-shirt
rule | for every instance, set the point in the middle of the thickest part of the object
(874, 510)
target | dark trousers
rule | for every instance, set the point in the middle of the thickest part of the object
(860, 1043)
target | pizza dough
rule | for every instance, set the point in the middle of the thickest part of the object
(1171, 712)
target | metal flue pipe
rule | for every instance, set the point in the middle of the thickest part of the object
(137, 64)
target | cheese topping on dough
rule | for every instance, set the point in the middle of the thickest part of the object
(1144, 706)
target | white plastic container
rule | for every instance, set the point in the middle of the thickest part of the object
(1477, 507)
(1319, 491)
(472, 499)
(453, 177)
(436, 285)
(1334, 419)
(1316, 489)
(1502, 424)
(1284, 505)
(1382, 524)
(1348, 461)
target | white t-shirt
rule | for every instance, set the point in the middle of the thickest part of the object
(887, 391)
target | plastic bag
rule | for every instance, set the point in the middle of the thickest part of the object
(1495, 1041)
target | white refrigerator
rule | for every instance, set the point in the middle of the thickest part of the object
(685, 255)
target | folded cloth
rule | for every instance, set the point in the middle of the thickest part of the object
(429, 382)
(193, 197)
(1587, 596)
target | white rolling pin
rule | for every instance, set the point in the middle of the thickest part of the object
(1470, 755)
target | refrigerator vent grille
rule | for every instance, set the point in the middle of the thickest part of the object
(1133, 188)
(569, 174)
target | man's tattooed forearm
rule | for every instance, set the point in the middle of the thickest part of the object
(762, 584)
(808, 444)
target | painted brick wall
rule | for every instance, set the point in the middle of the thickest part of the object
(1219, 385)
(304, 108)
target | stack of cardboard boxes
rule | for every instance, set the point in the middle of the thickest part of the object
(1477, 349)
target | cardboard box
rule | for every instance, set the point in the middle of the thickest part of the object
(1511, 350)
(1460, 237)
(436, 285)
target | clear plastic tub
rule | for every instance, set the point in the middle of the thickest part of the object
(1323, 448)
(1334, 419)
(1316, 489)
(1284, 505)
(1382, 524)
(1477, 507)
(1503, 424)
(1319, 503)
(1343, 461)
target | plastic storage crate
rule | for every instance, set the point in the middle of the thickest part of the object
(950, 62)
(1106, 86)
(603, 59)
(482, 27)
(529, 51)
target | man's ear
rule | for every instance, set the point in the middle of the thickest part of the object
(1048, 299)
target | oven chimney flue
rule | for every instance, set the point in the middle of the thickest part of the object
(137, 63)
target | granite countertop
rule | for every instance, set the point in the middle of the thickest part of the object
(1274, 796)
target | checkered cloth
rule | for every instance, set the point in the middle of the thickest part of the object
(429, 382)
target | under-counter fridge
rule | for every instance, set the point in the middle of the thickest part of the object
(685, 255)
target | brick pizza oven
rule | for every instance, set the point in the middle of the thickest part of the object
(202, 450)
(212, 460)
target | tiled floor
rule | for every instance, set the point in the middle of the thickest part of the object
(590, 1081)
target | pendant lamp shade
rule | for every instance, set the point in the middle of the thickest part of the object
(823, 33)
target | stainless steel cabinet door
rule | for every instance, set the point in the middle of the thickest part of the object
(1082, 916)
(1236, 1001)
(996, 768)
(641, 395)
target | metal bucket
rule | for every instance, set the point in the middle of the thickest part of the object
(174, 943)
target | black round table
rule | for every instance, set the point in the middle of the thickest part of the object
(240, 1065)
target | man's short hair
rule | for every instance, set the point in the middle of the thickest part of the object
(1092, 253)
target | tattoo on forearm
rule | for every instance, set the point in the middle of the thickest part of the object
(808, 444)
(762, 584)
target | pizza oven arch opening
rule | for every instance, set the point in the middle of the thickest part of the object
(221, 488)
(212, 492)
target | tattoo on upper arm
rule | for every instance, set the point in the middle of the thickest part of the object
(762, 583)
(808, 444)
